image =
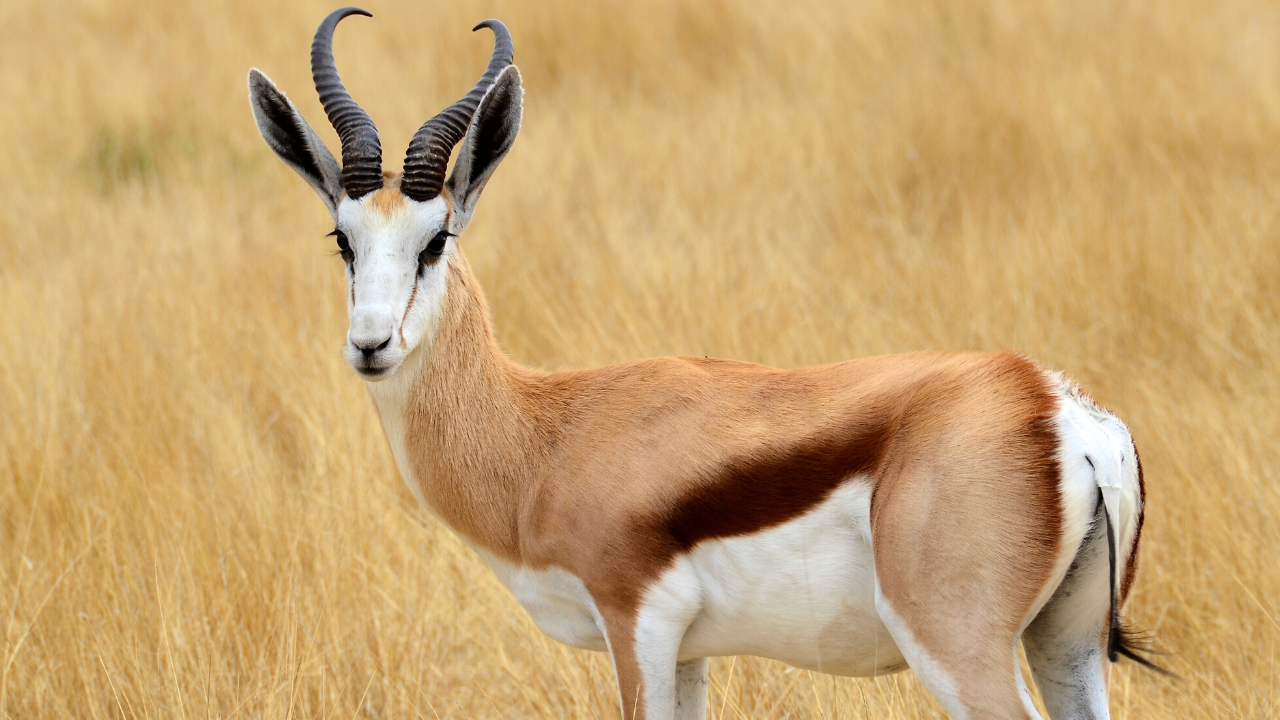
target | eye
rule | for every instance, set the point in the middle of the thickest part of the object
(434, 249)
(344, 246)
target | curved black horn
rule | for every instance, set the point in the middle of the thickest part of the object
(361, 149)
(424, 164)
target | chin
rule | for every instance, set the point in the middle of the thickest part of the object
(374, 374)
(382, 366)
(375, 371)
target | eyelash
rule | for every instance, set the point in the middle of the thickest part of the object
(429, 254)
(434, 249)
(344, 247)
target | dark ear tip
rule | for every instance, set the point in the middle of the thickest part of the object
(509, 76)
(260, 85)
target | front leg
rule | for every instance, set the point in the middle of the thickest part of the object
(691, 690)
(645, 645)
(652, 685)
(650, 689)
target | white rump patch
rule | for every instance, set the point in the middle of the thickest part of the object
(1096, 452)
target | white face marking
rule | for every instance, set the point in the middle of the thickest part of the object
(393, 302)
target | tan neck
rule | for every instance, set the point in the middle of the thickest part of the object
(474, 438)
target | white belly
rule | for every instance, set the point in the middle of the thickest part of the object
(802, 592)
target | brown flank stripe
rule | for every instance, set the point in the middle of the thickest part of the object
(761, 491)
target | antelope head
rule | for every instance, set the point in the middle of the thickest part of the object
(395, 232)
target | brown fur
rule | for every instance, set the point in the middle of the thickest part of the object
(610, 473)
(967, 525)
(388, 199)
(413, 295)
(1131, 567)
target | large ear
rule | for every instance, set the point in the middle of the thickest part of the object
(293, 140)
(493, 129)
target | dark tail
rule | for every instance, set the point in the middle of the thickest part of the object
(1120, 639)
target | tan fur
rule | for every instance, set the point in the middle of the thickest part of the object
(388, 199)
(586, 469)
(967, 526)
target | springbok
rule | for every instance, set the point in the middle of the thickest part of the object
(924, 510)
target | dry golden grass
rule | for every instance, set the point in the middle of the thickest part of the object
(199, 514)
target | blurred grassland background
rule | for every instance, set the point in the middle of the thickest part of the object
(200, 517)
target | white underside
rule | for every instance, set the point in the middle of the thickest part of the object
(803, 592)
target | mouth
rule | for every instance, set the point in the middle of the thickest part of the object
(372, 371)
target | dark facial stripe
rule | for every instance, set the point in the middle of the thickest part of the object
(413, 295)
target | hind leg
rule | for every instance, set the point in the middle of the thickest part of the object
(1066, 641)
(959, 573)
(971, 679)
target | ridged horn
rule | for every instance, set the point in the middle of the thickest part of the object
(428, 155)
(361, 149)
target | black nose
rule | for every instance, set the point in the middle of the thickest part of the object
(369, 348)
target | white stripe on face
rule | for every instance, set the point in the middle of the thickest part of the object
(392, 297)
